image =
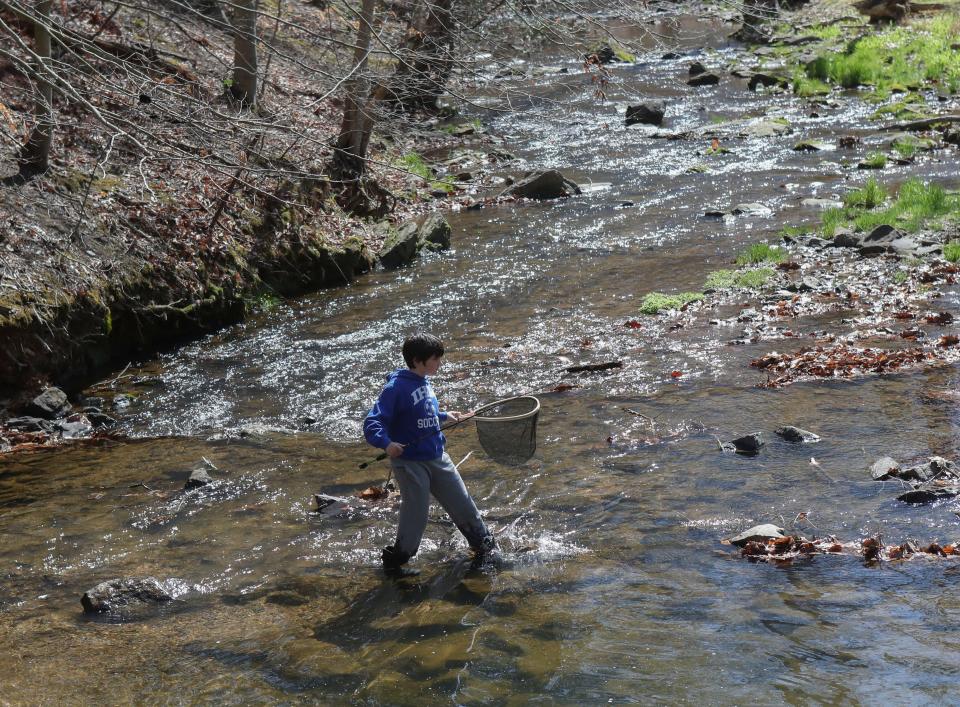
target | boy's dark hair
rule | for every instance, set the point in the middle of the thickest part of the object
(420, 347)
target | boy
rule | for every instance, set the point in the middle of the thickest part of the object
(405, 422)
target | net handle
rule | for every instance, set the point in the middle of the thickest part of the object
(509, 418)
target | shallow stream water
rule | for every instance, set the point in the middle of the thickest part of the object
(613, 585)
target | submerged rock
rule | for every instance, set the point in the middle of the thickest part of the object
(758, 533)
(49, 405)
(795, 434)
(766, 80)
(929, 494)
(123, 593)
(332, 505)
(543, 185)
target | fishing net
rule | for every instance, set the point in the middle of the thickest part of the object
(507, 429)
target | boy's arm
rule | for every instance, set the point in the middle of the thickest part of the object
(375, 424)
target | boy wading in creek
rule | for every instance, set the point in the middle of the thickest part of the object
(405, 423)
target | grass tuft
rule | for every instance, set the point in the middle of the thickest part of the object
(870, 196)
(657, 302)
(761, 253)
(951, 251)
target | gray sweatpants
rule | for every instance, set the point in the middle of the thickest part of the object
(417, 480)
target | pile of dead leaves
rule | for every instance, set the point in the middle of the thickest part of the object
(837, 361)
(783, 550)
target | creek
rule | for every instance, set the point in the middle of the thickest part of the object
(613, 584)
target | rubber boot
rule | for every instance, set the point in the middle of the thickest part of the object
(394, 561)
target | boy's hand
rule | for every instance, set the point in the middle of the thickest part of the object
(394, 450)
(459, 416)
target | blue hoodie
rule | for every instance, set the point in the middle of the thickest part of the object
(407, 412)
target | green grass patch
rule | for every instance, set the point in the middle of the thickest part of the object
(875, 160)
(900, 277)
(870, 196)
(761, 253)
(747, 279)
(414, 163)
(896, 58)
(917, 205)
(656, 302)
(951, 251)
(806, 87)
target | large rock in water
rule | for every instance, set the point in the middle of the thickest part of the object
(50, 404)
(124, 593)
(647, 113)
(797, 435)
(402, 244)
(544, 185)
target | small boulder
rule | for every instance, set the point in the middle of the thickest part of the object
(29, 424)
(705, 79)
(50, 404)
(74, 427)
(400, 245)
(845, 238)
(884, 468)
(748, 444)
(124, 593)
(99, 419)
(543, 185)
(929, 494)
(758, 533)
(697, 68)
(883, 233)
(646, 113)
(766, 81)
(434, 232)
(795, 434)
(198, 477)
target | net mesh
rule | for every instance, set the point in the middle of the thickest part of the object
(507, 429)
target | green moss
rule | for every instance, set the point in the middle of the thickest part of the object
(806, 87)
(747, 279)
(761, 253)
(951, 251)
(656, 302)
(900, 277)
(720, 280)
(622, 54)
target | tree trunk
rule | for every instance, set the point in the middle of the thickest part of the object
(244, 87)
(34, 157)
(347, 167)
(425, 59)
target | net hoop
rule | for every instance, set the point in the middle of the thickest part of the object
(508, 418)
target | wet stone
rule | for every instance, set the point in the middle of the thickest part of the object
(748, 444)
(198, 477)
(697, 68)
(795, 434)
(706, 79)
(884, 468)
(883, 233)
(123, 593)
(806, 284)
(332, 505)
(766, 81)
(929, 494)
(29, 424)
(50, 404)
(845, 238)
(544, 185)
(758, 533)
(646, 113)
(75, 428)
(821, 203)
